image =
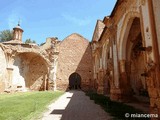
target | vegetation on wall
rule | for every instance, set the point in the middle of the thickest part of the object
(29, 41)
(6, 35)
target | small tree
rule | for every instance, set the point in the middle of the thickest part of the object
(41, 44)
(30, 41)
(6, 35)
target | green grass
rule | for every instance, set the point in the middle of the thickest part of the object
(115, 109)
(25, 106)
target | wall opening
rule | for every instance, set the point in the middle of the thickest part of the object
(29, 72)
(135, 63)
(74, 81)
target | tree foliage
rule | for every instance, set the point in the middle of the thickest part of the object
(42, 43)
(6, 35)
(30, 41)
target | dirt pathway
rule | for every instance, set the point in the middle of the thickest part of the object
(75, 105)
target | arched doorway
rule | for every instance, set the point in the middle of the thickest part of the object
(132, 65)
(135, 59)
(74, 81)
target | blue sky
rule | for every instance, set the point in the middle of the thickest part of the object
(53, 18)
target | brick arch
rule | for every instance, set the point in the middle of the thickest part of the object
(127, 23)
(38, 53)
(45, 60)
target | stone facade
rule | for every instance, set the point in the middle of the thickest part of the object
(126, 54)
(23, 67)
(2, 69)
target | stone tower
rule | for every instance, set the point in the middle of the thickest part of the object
(17, 33)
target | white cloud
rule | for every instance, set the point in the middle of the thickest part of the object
(77, 21)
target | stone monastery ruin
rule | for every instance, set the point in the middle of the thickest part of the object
(121, 61)
(26, 67)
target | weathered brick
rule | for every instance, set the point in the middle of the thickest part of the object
(74, 56)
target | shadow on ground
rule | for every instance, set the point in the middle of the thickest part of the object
(80, 107)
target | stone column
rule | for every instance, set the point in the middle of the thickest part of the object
(55, 72)
(53, 55)
(10, 59)
(52, 75)
(153, 66)
(123, 74)
(125, 79)
(115, 66)
(154, 94)
(50, 81)
(123, 91)
(100, 89)
(122, 66)
(115, 92)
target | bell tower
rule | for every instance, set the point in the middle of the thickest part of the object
(17, 33)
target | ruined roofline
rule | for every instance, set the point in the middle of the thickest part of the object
(76, 35)
(115, 8)
(98, 27)
(13, 42)
(110, 16)
(113, 11)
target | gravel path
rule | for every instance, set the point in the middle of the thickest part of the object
(75, 105)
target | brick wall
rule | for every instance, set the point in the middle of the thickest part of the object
(74, 56)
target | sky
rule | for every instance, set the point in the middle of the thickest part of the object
(41, 19)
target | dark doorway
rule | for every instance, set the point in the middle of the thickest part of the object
(74, 81)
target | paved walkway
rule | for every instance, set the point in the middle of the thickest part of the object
(75, 105)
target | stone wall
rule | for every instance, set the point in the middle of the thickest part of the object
(2, 69)
(74, 56)
(37, 75)
(18, 74)
(156, 4)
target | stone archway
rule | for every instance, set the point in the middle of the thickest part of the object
(127, 23)
(135, 59)
(30, 72)
(132, 63)
(74, 81)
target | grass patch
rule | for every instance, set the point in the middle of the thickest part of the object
(23, 106)
(115, 109)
